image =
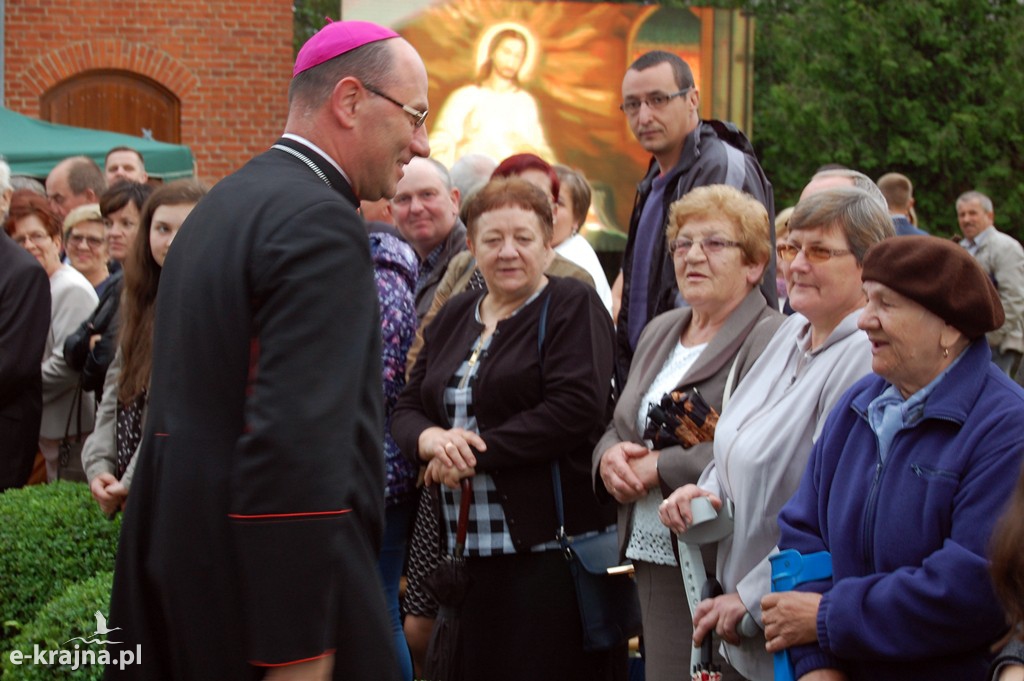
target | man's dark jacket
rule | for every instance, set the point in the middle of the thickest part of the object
(105, 321)
(251, 534)
(454, 243)
(705, 161)
(24, 324)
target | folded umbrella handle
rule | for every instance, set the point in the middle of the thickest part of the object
(463, 527)
(708, 526)
(712, 588)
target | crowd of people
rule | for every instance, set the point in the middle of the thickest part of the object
(349, 363)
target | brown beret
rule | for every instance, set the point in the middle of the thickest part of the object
(939, 275)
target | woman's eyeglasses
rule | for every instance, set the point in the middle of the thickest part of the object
(93, 242)
(710, 244)
(815, 254)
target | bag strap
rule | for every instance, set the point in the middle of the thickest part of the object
(556, 473)
(556, 484)
(75, 401)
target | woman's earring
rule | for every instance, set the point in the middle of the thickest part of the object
(945, 351)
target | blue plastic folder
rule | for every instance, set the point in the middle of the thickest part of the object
(790, 569)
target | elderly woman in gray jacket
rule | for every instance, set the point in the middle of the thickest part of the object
(765, 436)
(720, 244)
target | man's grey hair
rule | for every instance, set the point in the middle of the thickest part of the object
(371, 63)
(854, 212)
(860, 181)
(442, 172)
(30, 183)
(5, 176)
(471, 172)
(983, 201)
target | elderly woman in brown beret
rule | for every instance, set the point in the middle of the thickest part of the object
(915, 464)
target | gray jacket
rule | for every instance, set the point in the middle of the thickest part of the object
(100, 452)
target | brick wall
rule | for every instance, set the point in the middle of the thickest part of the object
(228, 62)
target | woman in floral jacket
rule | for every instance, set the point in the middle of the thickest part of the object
(394, 270)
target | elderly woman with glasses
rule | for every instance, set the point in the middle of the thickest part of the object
(914, 466)
(86, 245)
(67, 411)
(765, 434)
(719, 238)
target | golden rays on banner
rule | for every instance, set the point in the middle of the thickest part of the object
(510, 77)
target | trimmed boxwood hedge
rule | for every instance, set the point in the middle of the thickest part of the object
(69, 614)
(51, 536)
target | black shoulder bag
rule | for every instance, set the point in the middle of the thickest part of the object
(608, 603)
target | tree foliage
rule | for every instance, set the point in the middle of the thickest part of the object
(309, 17)
(928, 88)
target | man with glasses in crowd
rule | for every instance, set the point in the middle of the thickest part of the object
(249, 548)
(662, 106)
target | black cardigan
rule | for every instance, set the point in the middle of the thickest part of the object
(527, 415)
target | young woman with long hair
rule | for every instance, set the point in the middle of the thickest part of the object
(108, 457)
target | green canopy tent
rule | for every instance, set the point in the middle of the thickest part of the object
(33, 147)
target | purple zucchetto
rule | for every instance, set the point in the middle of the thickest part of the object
(337, 38)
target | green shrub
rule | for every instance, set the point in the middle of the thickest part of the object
(68, 615)
(51, 537)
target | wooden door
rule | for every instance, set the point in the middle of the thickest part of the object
(118, 101)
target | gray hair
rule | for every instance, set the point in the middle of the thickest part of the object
(471, 172)
(983, 201)
(30, 183)
(860, 181)
(441, 170)
(853, 211)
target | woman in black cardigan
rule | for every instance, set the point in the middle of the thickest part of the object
(493, 400)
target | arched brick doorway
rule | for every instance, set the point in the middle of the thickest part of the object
(115, 100)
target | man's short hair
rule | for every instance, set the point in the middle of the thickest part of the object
(370, 63)
(30, 183)
(124, 148)
(442, 172)
(681, 70)
(897, 189)
(973, 195)
(859, 180)
(83, 173)
(471, 172)
(5, 176)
